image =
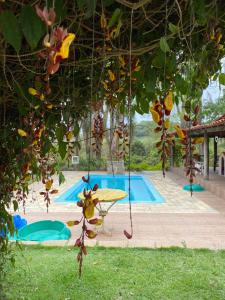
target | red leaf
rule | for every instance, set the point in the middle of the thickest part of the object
(197, 109)
(54, 192)
(157, 129)
(78, 243)
(93, 221)
(195, 123)
(167, 112)
(127, 235)
(84, 250)
(95, 187)
(84, 179)
(53, 68)
(186, 118)
(78, 257)
(95, 201)
(42, 193)
(80, 203)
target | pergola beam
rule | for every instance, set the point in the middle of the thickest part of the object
(212, 131)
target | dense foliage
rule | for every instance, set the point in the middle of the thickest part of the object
(123, 54)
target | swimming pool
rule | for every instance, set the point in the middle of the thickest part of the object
(142, 190)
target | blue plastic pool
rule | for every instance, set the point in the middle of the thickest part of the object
(142, 190)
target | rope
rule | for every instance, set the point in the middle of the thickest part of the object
(164, 83)
(130, 119)
(91, 98)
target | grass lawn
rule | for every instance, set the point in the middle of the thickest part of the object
(44, 273)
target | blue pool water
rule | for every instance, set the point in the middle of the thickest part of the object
(142, 190)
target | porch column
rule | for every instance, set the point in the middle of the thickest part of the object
(215, 155)
(206, 156)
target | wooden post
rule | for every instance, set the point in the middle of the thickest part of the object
(206, 156)
(215, 155)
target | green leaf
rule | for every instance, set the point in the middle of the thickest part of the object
(61, 178)
(159, 60)
(173, 28)
(163, 45)
(91, 7)
(115, 17)
(151, 82)
(62, 149)
(31, 25)
(222, 78)
(108, 2)
(181, 84)
(81, 4)
(187, 106)
(15, 205)
(59, 133)
(60, 9)
(76, 129)
(10, 29)
(200, 11)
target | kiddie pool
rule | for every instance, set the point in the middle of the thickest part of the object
(44, 231)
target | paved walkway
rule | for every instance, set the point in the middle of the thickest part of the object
(194, 222)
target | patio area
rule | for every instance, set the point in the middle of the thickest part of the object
(194, 222)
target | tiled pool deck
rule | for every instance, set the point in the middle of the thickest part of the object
(197, 221)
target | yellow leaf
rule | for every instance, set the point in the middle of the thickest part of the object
(218, 37)
(49, 106)
(103, 21)
(38, 132)
(113, 33)
(71, 223)
(63, 52)
(167, 123)
(112, 76)
(120, 89)
(137, 68)
(122, 61)
(32, 92)
(27, 178)
(198, 140)
(22, 133)
(168, 101)
(42, 97)
(155, 115)
(69, 135)
(99, 222)
(90, 234)
(35, 142)
(89, 211)
(105, 85)
(179, 131)
(48, 184)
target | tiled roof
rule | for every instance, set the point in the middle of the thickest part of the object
(218, 122)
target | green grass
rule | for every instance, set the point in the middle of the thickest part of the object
(44, 273)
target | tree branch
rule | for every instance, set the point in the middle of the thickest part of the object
(134, 6)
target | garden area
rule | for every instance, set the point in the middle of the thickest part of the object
(112, 149)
